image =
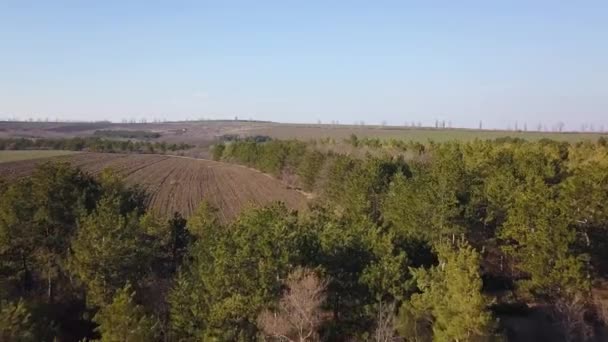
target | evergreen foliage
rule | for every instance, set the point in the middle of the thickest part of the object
(450, 299)
(15, 322)
(91, 144)
(125, 320)
(431, 228)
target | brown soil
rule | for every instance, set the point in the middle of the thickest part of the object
(181, 183)
(204, 133)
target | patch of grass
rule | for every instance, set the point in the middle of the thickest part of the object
(8, 156)
(416, 134)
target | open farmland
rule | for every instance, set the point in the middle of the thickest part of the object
(9, 156)
(416, 134)
(178, 183)
(204, 133)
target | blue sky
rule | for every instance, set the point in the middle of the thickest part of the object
(303, 61)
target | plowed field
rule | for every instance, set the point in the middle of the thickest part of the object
(180, 184)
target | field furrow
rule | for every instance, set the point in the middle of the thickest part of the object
(179, 184)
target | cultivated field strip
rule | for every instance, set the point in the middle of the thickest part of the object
(179, 184)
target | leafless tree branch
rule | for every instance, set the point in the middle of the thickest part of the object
(299, 313)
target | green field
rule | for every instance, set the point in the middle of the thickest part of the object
(8, 156)
(418, 134)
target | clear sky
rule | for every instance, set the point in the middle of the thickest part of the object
(303, 61)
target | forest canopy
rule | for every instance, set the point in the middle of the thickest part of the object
(418, 242)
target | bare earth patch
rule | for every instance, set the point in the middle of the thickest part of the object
(178, 184)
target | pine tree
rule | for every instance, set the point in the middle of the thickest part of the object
(125, 320)
(427, 204)
(37, 220)
(450, 297)
(541, 242)
(15, 322)
(310, 167)
(584, 194)
(108, 250)
(235, 271)
(361, 262)
(203, 224)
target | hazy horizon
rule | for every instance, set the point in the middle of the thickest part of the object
(390, 62)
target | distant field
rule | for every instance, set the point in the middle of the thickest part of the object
(179, 183)
(9, 156)
(205, 133)
(285, 131)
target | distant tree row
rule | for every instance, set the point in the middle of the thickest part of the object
(237, 137)
(92, 144)
(127, 134)
(283, 159)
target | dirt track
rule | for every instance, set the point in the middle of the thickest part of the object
(180, 184)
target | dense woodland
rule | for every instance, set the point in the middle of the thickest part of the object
(92, 144)
(409, 242)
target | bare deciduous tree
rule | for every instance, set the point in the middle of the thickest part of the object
(299, 313)
(385, 329)
(601, 308)
(570, 315)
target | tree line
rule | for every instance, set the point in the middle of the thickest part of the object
(82, 258)
(92, 144)
(127, 134)
(532, 210)
(445, 245)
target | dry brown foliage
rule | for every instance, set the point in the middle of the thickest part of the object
(570, 317)
(385, 328)
(299, 314)
(600, 302)
(601, 310)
